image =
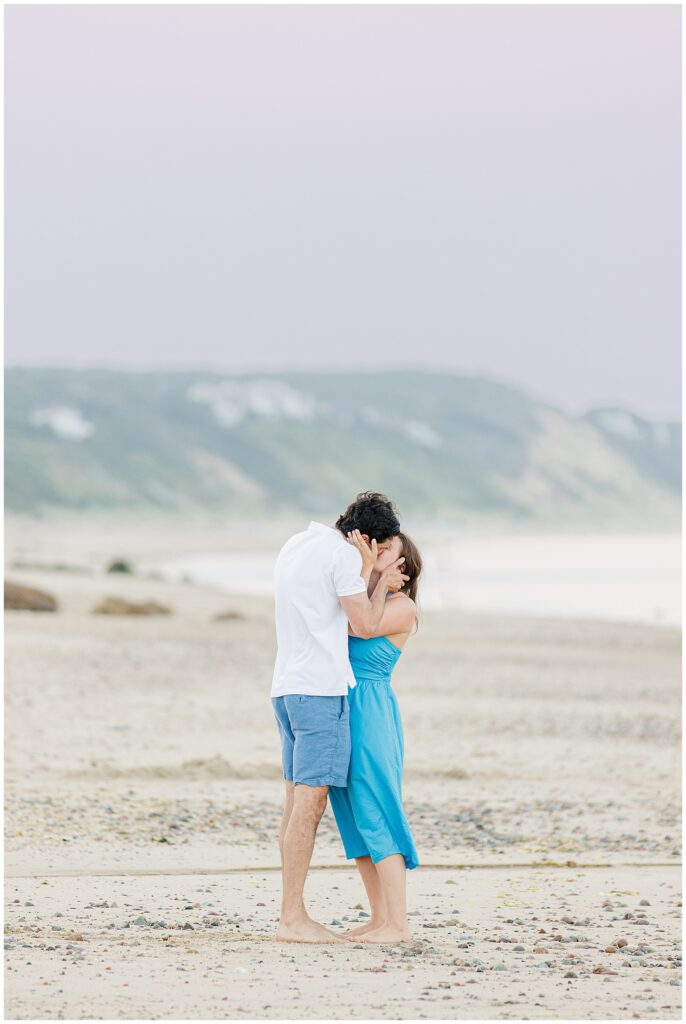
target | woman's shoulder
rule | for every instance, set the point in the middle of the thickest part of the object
(405, 606)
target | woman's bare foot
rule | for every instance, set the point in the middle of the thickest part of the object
(370, 926)
(306, 931)
(387, 934)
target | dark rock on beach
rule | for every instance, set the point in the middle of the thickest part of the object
(120, 565)
(21, 598)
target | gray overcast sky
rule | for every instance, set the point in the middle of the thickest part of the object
(482, 188)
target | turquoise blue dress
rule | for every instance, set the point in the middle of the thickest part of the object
(369, 810)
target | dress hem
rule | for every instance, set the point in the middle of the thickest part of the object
(410, 863)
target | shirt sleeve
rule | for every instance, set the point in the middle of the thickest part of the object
(347, 566)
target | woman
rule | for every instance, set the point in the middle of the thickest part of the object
(369, 811)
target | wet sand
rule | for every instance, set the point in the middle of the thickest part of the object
(143, 795)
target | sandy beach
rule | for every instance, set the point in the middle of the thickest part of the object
(143, 796)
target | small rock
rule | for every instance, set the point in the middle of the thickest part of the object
(28, 599)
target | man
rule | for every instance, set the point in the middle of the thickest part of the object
(318, 590)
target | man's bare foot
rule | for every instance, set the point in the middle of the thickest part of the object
(370, 926)
(306, 931)
(387, 934)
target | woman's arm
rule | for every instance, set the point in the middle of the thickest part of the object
(398, 616)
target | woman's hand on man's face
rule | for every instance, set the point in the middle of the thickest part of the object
(369, 552)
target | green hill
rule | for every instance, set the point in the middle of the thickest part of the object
(443, 446)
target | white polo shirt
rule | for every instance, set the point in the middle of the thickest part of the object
(313, 570)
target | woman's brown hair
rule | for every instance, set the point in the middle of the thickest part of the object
(412, 567)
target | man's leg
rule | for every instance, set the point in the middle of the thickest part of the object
(287, 808)
(321, 754)
(298, 843)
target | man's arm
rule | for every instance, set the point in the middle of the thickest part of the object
(365, 613)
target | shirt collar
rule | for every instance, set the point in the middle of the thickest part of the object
(322, 528)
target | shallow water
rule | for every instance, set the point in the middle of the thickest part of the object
(620, 577)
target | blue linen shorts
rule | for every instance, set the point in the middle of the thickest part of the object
(315, 738)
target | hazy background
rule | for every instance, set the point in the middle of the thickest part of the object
(494, 190)
(262, 258)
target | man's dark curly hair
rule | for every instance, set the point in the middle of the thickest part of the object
(373, 514)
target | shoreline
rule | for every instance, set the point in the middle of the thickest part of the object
(618, 578)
